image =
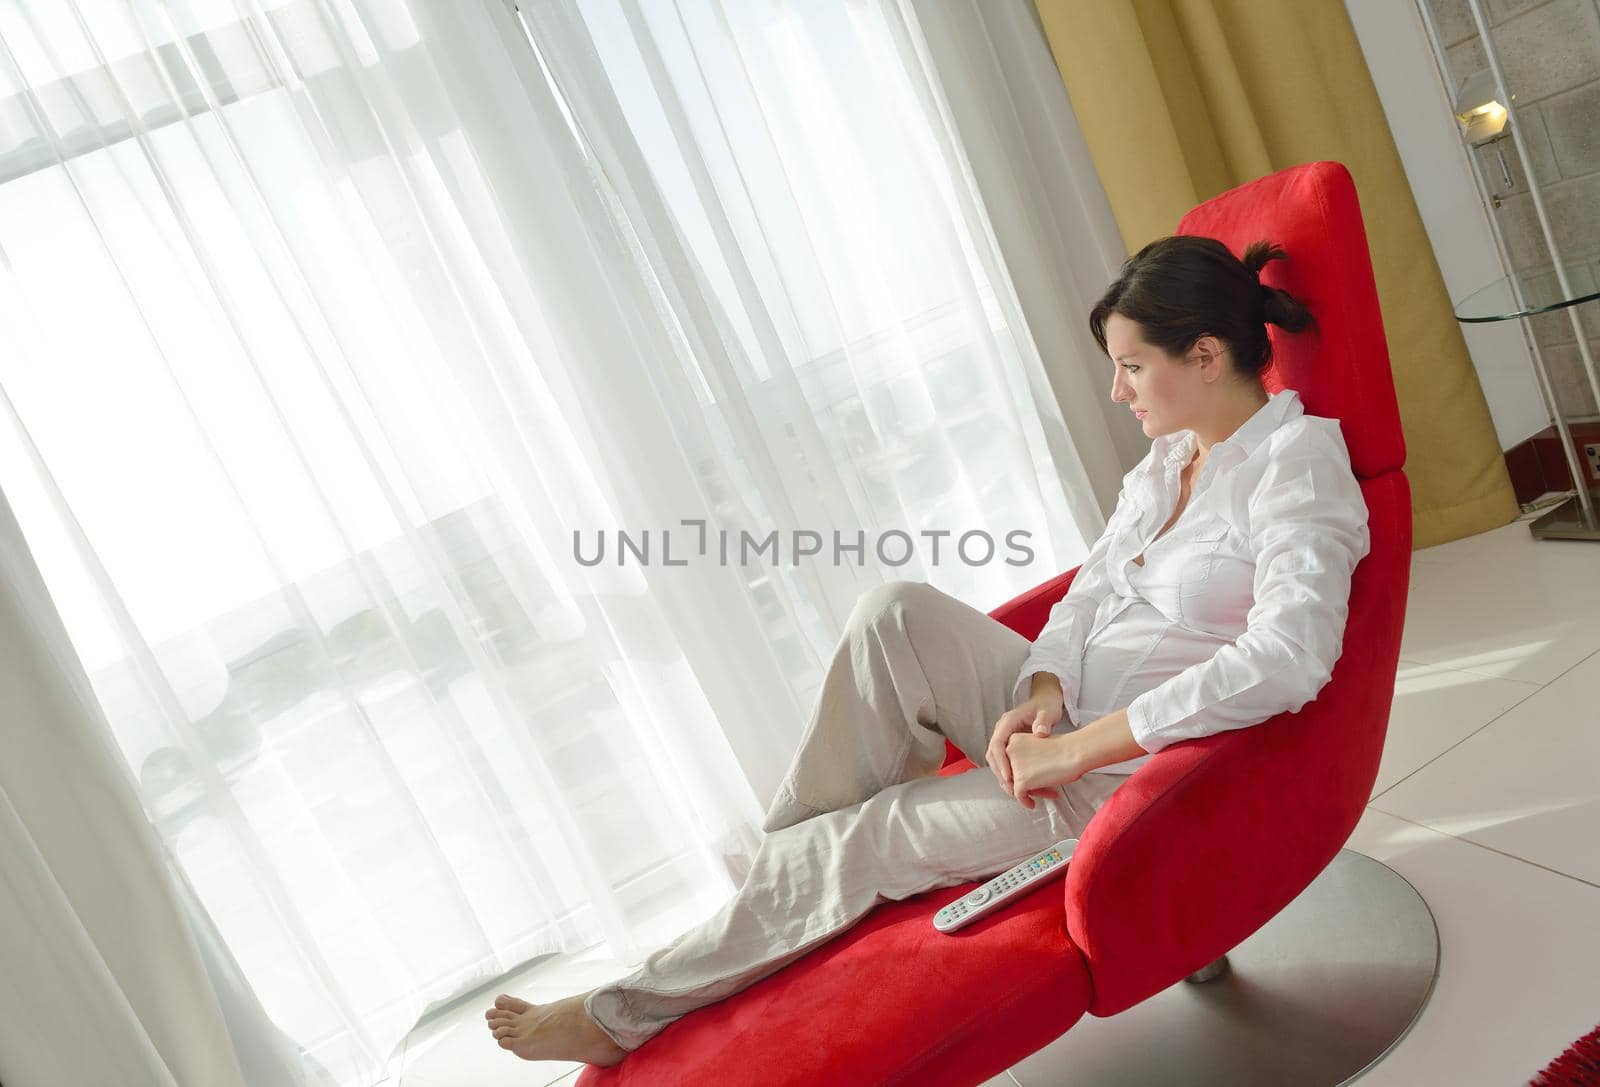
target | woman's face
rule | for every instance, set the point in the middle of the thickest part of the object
(1163, 391)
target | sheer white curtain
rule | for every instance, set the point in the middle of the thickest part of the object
(1051, 217)
(330, 323)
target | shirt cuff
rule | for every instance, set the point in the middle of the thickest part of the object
(1142, 727)
(1019, 694)
(1024, 687)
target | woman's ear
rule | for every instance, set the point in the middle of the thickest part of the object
(1209, 351)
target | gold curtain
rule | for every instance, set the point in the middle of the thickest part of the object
(1183, 99)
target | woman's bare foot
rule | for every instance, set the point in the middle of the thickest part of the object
(561, 1031)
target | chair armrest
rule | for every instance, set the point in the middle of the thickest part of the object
(1210, 839)
(1213, 837)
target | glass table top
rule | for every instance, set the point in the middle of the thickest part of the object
(1540, 292)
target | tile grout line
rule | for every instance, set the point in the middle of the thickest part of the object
(1487, 848)
(1452, 747)
(1481, 727)
(1450, 666)
(1436, 666)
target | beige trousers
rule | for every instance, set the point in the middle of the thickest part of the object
(862, 816)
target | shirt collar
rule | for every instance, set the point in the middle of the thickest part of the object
(1280, 408)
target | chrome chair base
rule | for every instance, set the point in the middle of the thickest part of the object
(1211, 971)
(1314, 998)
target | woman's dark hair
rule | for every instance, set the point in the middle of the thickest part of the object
(1181, 287)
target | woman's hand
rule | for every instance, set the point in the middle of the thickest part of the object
(1040, 763)
(1040, 714)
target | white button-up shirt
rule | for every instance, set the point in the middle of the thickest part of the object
(1238, 612)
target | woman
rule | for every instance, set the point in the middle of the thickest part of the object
(1215, 599)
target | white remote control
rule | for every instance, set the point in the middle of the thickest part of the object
(1006, 886)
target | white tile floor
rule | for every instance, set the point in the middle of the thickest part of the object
(1487, 801)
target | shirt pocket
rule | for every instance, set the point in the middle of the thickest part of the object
(1217, 586)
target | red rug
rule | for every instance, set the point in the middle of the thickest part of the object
(1579, 1066)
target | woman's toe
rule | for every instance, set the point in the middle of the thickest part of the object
(511, 1003)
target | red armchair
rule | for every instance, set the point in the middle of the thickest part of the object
(1199, 849)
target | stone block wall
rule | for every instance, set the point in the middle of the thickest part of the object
(1550, 53)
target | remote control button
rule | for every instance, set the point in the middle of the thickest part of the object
(980, 895)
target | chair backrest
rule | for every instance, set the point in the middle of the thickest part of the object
(1341, 370)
